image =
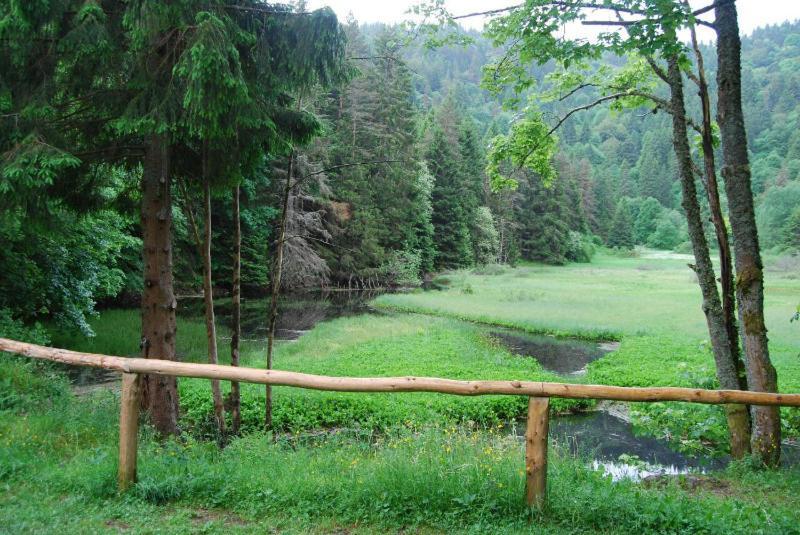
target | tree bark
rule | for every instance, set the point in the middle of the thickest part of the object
(761, 375)
(740, 425)
(720, 227)
(738, 422)
(236, 327)
(159, 393)
(211, 328)
(276, 285)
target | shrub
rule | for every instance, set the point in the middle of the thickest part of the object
(580, 247)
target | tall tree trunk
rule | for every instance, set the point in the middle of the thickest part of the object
(159, 393)
(276, 284)
(236, 327)
(742, 421)
(211, 328)
(738, 422)
(761, 375)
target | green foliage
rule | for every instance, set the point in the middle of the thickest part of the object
(656, 167)
(529, 144)
(774, 215)
(16, 330)
(648, 212)
(580, 247)
(485, 237)
(543, 230)
(27, 385)
(450, 218)
(667, 235)
(60, 272)
(430, 478)
(383, 189)
(791, 230)
(621, 232)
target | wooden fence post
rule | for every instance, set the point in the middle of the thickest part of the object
(536, 451)
(128, 430)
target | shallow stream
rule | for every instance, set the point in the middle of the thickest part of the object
(603, 436)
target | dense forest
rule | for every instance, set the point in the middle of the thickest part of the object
(397, 187)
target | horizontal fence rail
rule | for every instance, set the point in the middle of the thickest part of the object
(537, 392)
(397, 384)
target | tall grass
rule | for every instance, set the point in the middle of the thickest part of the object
(58, 471)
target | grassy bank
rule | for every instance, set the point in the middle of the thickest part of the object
(57, 473)
(368, 345)
(652, 305)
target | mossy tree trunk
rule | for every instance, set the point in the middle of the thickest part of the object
(761, 374)
(738, 421)
(741, 446)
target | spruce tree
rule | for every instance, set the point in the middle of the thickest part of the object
(656, 167)
(541, 214)
(621, 232)
(147, 85)
(450, 223)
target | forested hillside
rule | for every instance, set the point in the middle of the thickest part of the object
(395, 187)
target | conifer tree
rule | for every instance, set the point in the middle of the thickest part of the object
(450, 223)
(621, 232)
(143, 83)
(541, 214)
(656, 168)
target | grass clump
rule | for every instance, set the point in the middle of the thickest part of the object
(59, 465)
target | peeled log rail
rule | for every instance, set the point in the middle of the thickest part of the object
(397, 384)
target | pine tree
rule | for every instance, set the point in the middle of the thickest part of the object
(542, 231)
(450, 223)
(656, 167)
(621, 232)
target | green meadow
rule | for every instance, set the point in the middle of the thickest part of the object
(357, 463)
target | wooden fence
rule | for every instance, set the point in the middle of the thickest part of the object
(537, 392)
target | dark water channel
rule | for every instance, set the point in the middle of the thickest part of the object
(605, 438)
(564, 356)
(298, 313)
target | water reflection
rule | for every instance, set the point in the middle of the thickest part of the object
(619, 453)
(614, 448)
(298, 313)
(564, 356)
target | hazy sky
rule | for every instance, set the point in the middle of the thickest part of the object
(752, 13)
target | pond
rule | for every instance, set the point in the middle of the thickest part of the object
(603, 436)
(298, 313)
